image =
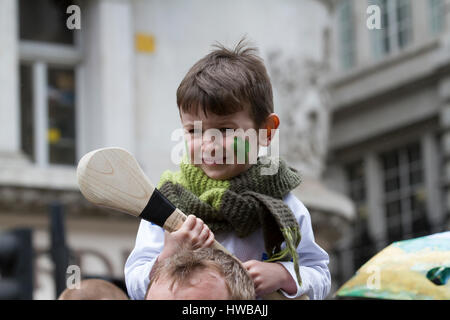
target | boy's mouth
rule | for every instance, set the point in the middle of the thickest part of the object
(213, 161)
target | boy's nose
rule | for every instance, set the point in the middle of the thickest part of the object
(210, 145)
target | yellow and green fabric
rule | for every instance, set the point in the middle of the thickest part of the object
(416, 269)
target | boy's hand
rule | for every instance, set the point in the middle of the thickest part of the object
(193, 234)
(269, 277)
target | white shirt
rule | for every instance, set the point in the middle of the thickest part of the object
(313, 260)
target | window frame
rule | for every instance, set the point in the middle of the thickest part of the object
(41, 56)
(386, 42)
(363, 246)
(404, 191)
(437, 16)
(346, 34)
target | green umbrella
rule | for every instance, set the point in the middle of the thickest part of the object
(411, 269)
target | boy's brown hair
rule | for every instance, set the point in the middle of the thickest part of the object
(227, 81)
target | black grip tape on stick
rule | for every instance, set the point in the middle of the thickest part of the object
(158, 209)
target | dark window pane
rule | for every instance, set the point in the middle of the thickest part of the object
(26, 110)
(61, 112)
(415, 177)
(437, 15)
(384, 12)
(45, 20)
(402, 10)
(421, 226)
(362, 245)
(395, 231)
(390, 160)
(392, 184)
(414, 153)
(386, 45)
(364, 248)
(403, 38)
(405, 197)
(355, 171)
(393, 209)
(358, 194)
(355, 175)
(417, 202)
(413, 203)
(404, 22)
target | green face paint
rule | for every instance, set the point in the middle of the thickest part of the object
(241, 146)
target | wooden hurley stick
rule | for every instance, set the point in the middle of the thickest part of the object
(112, 178)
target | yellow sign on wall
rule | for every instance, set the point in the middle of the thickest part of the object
(53, 135)
(145, 43)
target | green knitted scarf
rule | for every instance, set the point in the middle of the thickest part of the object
(242, 204)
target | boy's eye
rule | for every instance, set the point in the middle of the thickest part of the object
(193, 131)
(224, 130)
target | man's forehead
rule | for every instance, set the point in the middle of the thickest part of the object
(207, 281)
(210, 284)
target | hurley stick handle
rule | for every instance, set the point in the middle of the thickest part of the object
(176, 219)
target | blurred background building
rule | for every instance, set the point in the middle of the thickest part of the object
(389, 141)
(364, 114)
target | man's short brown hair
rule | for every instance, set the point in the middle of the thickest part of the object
(227, 81)
(181, 266)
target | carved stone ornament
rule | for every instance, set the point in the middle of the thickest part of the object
(302, 106)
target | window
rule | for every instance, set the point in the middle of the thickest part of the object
(396, 23)
(437, 16)
(346, 34)
(27, 114)
(363, 248)
(61, 114)
(404, 193)
(49, 59)
(45, 21)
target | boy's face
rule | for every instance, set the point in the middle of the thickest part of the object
(210, 149)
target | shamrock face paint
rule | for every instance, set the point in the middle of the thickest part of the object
(241, 149)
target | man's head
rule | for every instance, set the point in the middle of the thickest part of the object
(94, 289)
(202, 274)
(227, 89)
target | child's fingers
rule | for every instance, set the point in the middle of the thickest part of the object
(189, 223)
(209, 242)
(198, 227)
(249, 264)
(204, 234)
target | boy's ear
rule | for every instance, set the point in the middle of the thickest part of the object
(271, 123)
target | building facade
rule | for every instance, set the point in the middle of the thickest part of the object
(389, 141)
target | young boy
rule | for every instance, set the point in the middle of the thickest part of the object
(254, 215)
